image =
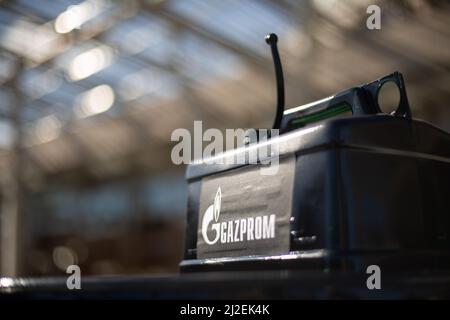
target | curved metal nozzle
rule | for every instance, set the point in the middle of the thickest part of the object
(272, 40)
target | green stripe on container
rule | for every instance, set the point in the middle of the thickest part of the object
(321, 115)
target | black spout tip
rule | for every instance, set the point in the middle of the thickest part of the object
(271, 39)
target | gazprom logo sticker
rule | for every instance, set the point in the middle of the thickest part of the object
(237, 230)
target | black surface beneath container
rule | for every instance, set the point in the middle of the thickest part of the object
(236, 285)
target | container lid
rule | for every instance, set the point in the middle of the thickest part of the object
(385, 133)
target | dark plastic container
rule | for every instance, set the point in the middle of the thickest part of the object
(350, 192)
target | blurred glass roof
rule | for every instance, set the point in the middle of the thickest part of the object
(82, 82)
